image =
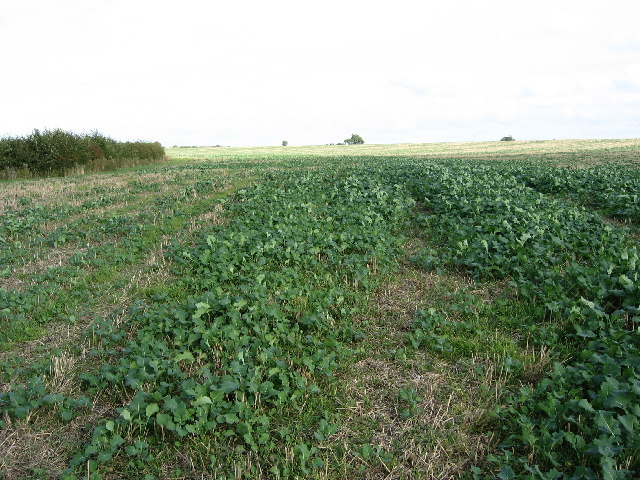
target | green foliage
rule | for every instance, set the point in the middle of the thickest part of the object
(409, 402)
(285, 143)
(112, 242)
(610, 188)
(267, 320)
(54, 152)
(19, 402)
(581, 421)
(507, 139)
(354, 140)
(260, 311)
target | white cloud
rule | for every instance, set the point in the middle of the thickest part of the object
(202, 72)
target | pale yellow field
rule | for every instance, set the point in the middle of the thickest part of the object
(588, 149)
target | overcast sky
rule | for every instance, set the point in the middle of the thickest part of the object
(196, 72)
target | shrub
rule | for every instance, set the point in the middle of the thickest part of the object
(55, 152)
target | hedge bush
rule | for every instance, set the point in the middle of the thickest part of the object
(56, 152)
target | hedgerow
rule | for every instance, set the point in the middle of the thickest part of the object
(55, 152)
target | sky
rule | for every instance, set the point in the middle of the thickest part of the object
(198, 72)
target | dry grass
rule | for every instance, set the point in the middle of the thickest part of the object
(212, 217)
(49, 259)
(39, 446)
(74, 191)
(62, 376)
(440, 440)
(58, 336)
(25, 450)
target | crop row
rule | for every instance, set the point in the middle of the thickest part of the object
(28, 215)
(35, 230)
(614, 190)
(111, 243)
(582, 420)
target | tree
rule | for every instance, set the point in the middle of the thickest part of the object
(507, 139)
(354, 140)
(284, 143)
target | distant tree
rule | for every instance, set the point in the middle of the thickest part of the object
(284, 143)
(354, 140)
(507, 139)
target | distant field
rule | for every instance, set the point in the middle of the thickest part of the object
(418, 311)
(557, 151)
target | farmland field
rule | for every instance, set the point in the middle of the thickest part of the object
(427, 311)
